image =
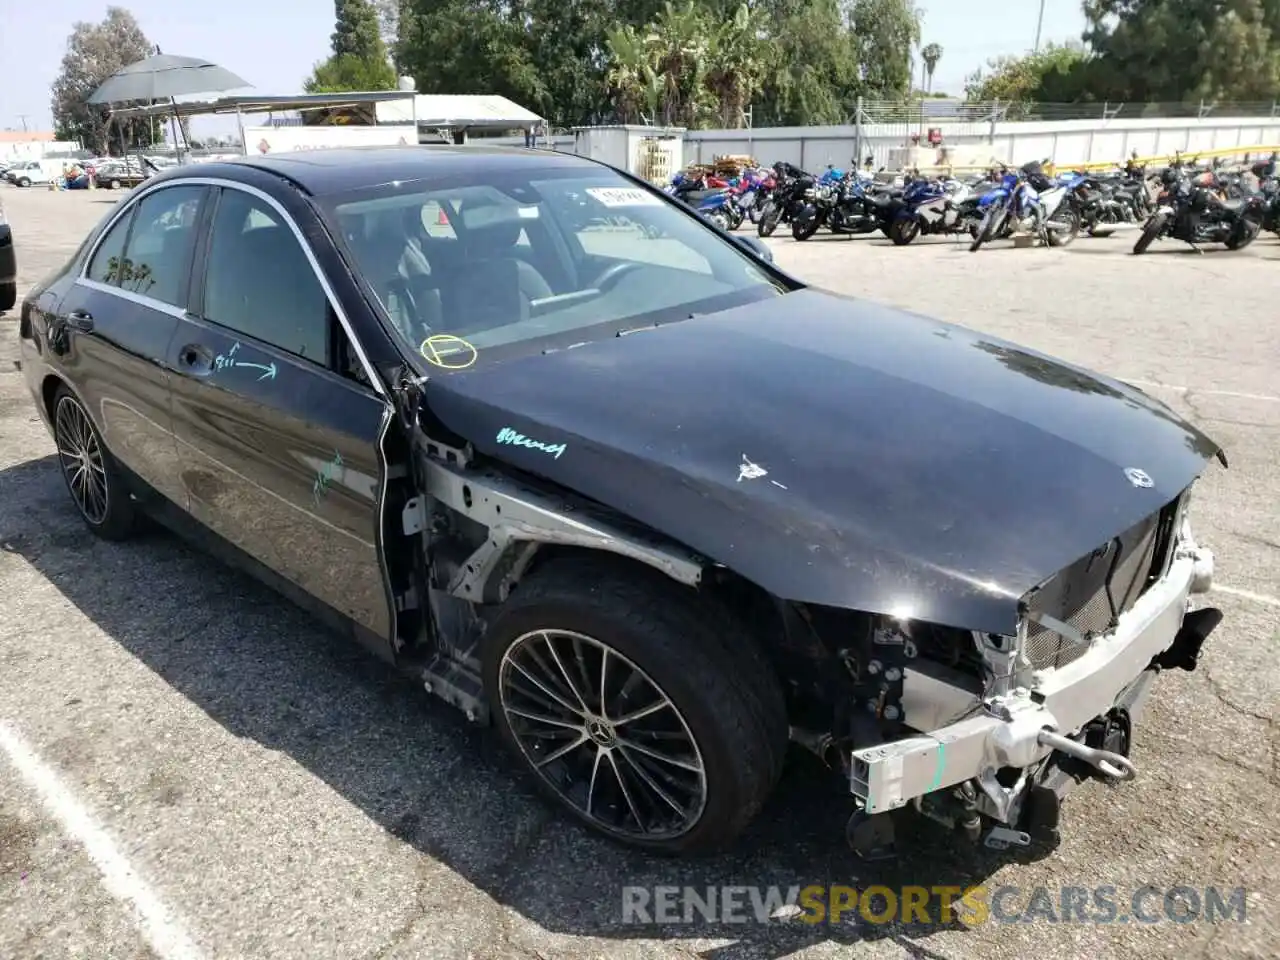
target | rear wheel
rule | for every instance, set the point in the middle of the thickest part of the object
(93, 479)
(8, 296)
(647, 713)
(1153, 229)
(903, 231)
(24, 181)
(1064, 226)
(1242, 234)
(719, 218)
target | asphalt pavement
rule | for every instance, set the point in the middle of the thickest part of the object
(190, 767)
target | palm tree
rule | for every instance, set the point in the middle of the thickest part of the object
(931, 54)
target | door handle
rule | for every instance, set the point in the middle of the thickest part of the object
(195, 358)
(80, 320)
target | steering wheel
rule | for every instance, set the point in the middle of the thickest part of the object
(611, 274)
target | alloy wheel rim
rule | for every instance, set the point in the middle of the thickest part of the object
(603, 735)
(80, 455)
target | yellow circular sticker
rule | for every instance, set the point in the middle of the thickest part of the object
(448, 352)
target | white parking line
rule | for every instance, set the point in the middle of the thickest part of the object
(1263, 598)
(1267, 398)
(163, 931)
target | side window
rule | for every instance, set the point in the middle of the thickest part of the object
(259, 282)
(158, 255)
(105, 267)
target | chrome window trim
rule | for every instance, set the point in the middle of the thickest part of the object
(125, 206)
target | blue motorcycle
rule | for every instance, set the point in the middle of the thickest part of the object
(931, 207)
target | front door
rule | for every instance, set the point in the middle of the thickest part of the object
(113, 328)
(280, 450)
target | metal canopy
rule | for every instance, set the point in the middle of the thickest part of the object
(164, 76)
(265, 104)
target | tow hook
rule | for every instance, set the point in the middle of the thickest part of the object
(1107, 762)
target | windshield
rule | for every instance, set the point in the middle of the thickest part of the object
(535, 259)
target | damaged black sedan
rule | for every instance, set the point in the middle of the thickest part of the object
(604, 477)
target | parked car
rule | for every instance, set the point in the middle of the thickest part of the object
(8, 265)
(635, 496)
(115, 174)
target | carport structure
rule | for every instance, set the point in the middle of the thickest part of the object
(453, 115)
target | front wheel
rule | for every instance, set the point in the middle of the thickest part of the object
(619, 691)
(24, 181)
(1153, 229)
(992, 220)
(768, 219)
(1243, 233)
(719, 218)
(804, 228)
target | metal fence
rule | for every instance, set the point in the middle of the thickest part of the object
(929, 109)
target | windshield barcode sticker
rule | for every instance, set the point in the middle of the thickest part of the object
(623, 197)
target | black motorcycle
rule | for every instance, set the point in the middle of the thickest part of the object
(787, 199)
(847, 206)
(1198, 211)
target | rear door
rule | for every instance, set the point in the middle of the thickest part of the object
(112, 330)
(279, 441)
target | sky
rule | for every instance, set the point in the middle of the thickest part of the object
(275, 44)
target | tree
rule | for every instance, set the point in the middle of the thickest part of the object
(1184, 50)
(94, 52)
(1055, 74)
(931, 54)
(359, 60)
(885, 31)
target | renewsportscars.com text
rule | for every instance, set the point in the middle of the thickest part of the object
(816, 904)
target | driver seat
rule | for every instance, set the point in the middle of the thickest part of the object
(492, 286)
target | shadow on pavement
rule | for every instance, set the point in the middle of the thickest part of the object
(264, 669)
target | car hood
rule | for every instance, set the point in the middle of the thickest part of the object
(839, 452)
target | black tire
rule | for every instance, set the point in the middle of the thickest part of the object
(1149, 233)
(804, 229)
(115, 517)
(8, 295)
(114, 185)
(903, 231)
(717, 682)
(24, 181)
(986, 229)
(1062, 238)
(768, 220)
(1243, 233)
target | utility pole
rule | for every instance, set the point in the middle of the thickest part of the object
(1039, 26)
(23, 118)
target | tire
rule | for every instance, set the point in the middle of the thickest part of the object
(8, 295)
(902, 232)
(1243, 234)
(24, 181)
(93, 478)
(768, 220)
(1063, 238)
(986, 229)
(804, 229)
(720, 219)
(1149, 233)
(114, 185)
(721, 696)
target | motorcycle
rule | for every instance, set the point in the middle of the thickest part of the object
(787, 200)
(930, 207)
(1032, 202)
(1196, 210)
(846, 204)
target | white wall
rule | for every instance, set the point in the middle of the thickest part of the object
(13, 151)
(1016, 142)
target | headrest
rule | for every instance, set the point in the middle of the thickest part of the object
(491, 230)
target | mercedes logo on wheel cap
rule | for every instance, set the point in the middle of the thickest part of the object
(1139, 478)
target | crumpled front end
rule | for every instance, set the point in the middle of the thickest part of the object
(1059, 699)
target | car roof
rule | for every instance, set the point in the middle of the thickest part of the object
(337, 170)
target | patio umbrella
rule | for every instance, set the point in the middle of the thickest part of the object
(163, 77)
